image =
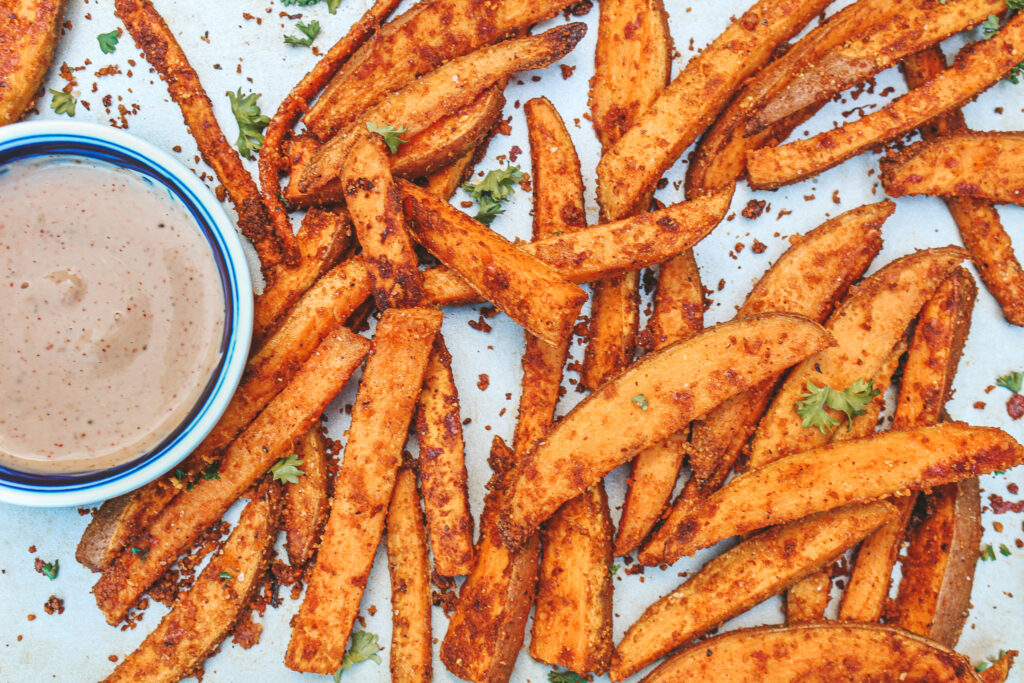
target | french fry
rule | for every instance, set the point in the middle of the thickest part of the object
(29, 33)
(602, 251)
(204, 615)
(978, 66)
(629, 170)
(270, 436)
(647, 403)
(807, 600)
(409, 566)
(442, 466)
(1000, 671)
(443, 91)
(443, 183)
(527, 290)
(105, 535)
(557, 180)
(927, 384)
(735, 581)
(773, 654)
(273, 243)
(376, 208)
(306, 502)
(916, 27)
(362, 489)
(678, 302)
(418, 41)
(611, 336)
(980, 228)
(857, 470)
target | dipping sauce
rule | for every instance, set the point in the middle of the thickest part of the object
(111, 311)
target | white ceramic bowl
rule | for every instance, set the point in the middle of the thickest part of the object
(36, 140)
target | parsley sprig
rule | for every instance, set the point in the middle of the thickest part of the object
(108, 41)
(287, 469)
(50, 569)
(990, 26)
(310, 30)
(1013, 381)
(392, 136)
(250, 122)
(853, 400)
(496, 187)
(332, 5)
(565, 677)
(63, 102)
(364, 647)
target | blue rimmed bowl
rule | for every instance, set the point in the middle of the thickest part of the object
(97, 144)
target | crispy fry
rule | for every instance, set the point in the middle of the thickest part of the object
(807, 600)
(774, 654)
(916, 27)
(270, 436)
(614, 320)
(204, 615)
(735, 581)
(376, 208)
(443, 183)
(977, 67)
(306, 501)
(630, 169)
(678, 303)
(521, 286)
(980, 228)
(105, 535)
(380, 420)
(646, 404)
(602, 251)
(442, 466)
(409, 566)
(845, 472)
(273, 243)
(29, 33)
(557, 180)
(1000, 671)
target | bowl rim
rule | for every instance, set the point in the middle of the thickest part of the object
(235, 279)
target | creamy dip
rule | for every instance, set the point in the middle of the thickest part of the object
(111, 316)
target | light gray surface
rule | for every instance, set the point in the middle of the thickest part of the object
(75, 646)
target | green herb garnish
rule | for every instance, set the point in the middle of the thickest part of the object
(310, 30)
(565, 677)
(497, 186)
(250, 122)
(1016, 73)
(1013, 381)
(1004, 551)
(286, 469)
(141, 553)
(392, 136)
(212, 471)
(225, 577)
(108, 41)
(613, 569)
(990, 26)
(63, 102)
(50, 569)
(364, 647)
(852, 401)
(987, 554)
(640, 401)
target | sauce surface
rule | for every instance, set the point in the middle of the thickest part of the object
(111, 311)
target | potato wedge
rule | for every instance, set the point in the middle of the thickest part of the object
(732, 583)
(29, 33)
(306, 502)
(1000, 671)
(840, 473)
(629, 170)
(830, 651)
(916, 27)
(376, 209)
(678, 303)
(978, 221)
(205, 614)
(105, 535)
(611, 334)
(601, 251)
(647, 403)
(442, 466)
(978, 66)
(383, 410)
(270, 436)
(420, 40)
(443, 183)
(807, 600)
(557, 179)
(409, 566)
(527, 290)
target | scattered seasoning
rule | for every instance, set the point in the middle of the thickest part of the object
(758, 247)
(54, 604)
(566, 71)
(1013, 381)
(483, 381)
(640, 401)
(754, 209)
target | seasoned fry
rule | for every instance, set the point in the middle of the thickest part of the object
(557, 180)
(611, 336)
(442, 466)
(807, 600)
(306, 502)
(774, 654)
(376, 208)
(845, 472)
(420, 40)
(29, 32)
(204, 615)
(105, 535)
(1000, 671)
(409, 566)
(601, 251)
(647, 403)
(977, 67)
(740, 578)
(443, 183)
(980, 228)
(521, 286)
(380, 420)
(273, 243)
(629, 170)
(270, 436)
(678, 303)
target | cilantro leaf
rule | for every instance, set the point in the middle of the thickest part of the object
(63, 102)
(392, 136)
(613, 569)
(332, 6)
(565, 677)
(224, 576)
(250, 122)
(640, 401)
(212, 471)
(286, 469)
(310, 30)
(108, 41)
(1004, 551)
(1013, 381)
(364, 647)
(1015, 5)
(50, 569)
(990, 26)
(141, 553)
(987, 554)
(497, 186)
(853, 400)
(1016, 73)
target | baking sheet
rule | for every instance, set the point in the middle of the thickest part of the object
(231, 49)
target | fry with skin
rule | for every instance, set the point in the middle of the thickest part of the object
(273, 243)
(106, 534)
(647, 403)
(978, 66)
(306, 502)
(807, 600)
(735, 581)
(204, 615)
(270, 436)
(383, 409)
(443, 183)
(629, 170)
(376, 209)
(409, 566)
(978, 221)
(29, 33)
